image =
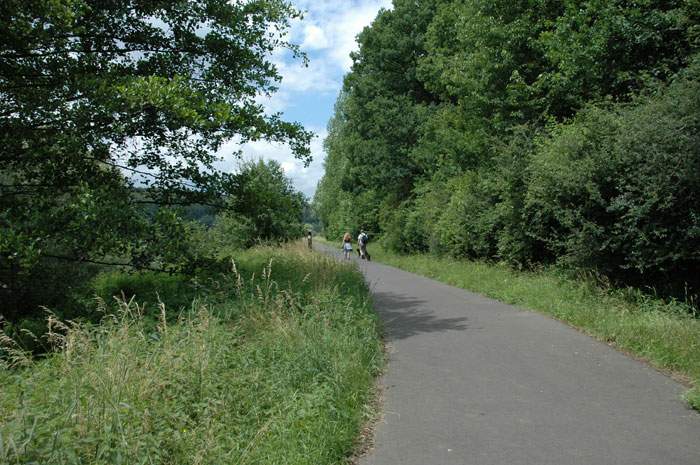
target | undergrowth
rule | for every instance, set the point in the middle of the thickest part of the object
(274, 363)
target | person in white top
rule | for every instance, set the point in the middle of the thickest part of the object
(362, 240)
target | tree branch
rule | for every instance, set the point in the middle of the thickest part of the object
(99, 262)
(134, 170)
(120, 51)
(179, 204)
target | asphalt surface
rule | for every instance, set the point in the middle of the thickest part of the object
(473, 381)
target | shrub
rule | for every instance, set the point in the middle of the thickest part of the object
(468, 226)
(430, 201)
(570, 186)
(264, 199)
(510, 178)
(393, 224)
(148, 288)
(618, 190)
(229, 234)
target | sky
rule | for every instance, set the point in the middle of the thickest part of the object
(307, 94)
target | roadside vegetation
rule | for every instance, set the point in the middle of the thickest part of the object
(153, 307)
(112, 120)
(547, 135)
(271, 362)
(664, 333)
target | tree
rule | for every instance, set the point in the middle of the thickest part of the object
(384, 102)
(99, 96)
(264, 197)
(613, 48)
(618, 190)
(529, 131)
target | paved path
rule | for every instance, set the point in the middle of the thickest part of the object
(474, 381)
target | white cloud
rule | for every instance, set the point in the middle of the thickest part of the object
(346, 31)
(314, 38)
(328, 35)
(305, 178)
(276, 103)
(338, 23)
(299, 78)
(289, 167)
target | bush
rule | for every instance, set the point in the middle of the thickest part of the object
(618, 190)
(430, 202)
(405, 228)
(468, 227)
(265, 201)
(393, 223)
(47, 282)
(510, 179)
(148, 288)
(230, 233)
(570, 184)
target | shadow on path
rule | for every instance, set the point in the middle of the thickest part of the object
(405, 317)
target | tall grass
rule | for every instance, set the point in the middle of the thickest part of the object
(667, 334)
(275, 364)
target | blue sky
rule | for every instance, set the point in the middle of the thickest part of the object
(307, 95)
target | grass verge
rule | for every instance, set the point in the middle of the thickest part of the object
(662, 333)
(275, 363)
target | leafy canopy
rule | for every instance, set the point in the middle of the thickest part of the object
(99, 97)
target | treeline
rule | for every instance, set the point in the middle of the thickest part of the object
(531, 132)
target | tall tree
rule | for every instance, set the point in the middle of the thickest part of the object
(385, 101)
(99, 95)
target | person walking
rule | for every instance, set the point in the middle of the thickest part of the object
(347, 245)
(362, 240)
(309, 240)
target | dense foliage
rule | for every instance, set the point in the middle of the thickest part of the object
(265, 197)
(99, 98)
(263, 207)
(526, 131)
